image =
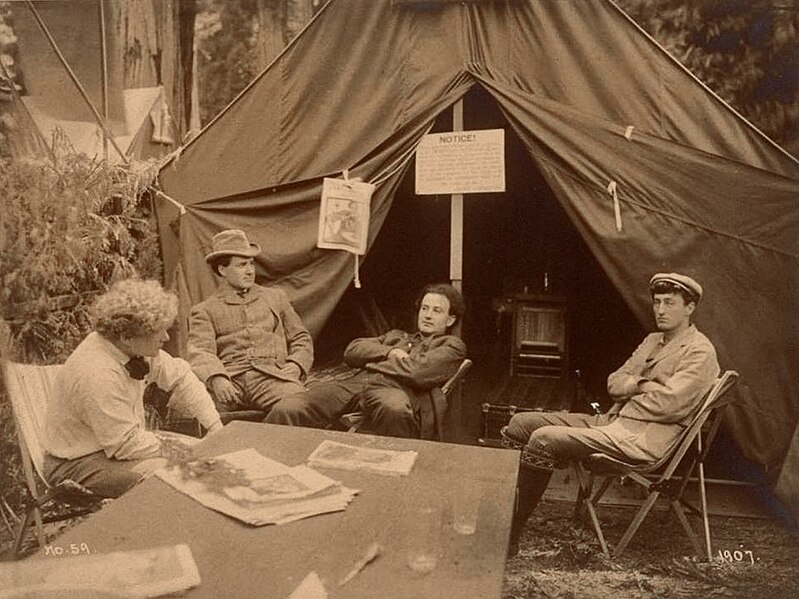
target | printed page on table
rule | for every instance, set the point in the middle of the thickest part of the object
(142, 573)
(330, 454)
(257, 490)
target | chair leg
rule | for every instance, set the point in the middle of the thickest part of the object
(639, 518)
(678, 511)
(37, 517)
(703, 503)
(584, 484)
(23, 528)
(597, 528)
(587, 501)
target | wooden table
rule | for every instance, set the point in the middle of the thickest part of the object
(236, 560)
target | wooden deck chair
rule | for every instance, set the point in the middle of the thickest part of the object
(356, 420)
(29, 387)
(668, 476)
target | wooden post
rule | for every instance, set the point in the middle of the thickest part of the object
(456, 276)
(456, 216)
(104, 52)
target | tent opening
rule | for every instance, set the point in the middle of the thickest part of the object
(511, 241)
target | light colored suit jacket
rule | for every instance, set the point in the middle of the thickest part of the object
(646, 419)
(229, 334)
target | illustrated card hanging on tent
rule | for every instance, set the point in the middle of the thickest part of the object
(344, 215)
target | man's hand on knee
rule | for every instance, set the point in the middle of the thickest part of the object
(223, 390)
(293, 369)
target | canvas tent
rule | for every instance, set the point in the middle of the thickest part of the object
(592, 99)
(59, 40)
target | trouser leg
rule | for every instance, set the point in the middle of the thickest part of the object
(317, 406)
(107, 477)
(266, 393)
(535, 470)
(390, 412)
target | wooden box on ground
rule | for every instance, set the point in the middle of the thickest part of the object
(493, 418)
(524, 394)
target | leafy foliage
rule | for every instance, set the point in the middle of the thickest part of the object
(236, 39)
(67, 230)
(227, 55)
(8, 47)
(747, 51)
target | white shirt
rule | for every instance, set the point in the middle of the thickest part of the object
(96, 405)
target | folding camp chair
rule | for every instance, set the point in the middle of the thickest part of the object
(662, 476)
(356, 421)
(29, 387)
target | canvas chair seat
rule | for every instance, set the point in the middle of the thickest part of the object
(29, 388)
(356, 420)
(667, 476)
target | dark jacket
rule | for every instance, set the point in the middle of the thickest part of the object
(431, 362)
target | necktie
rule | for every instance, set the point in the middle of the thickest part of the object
(137, 367)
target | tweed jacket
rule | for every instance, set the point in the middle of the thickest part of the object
(229, 335)
(430, 363)
(658, 390)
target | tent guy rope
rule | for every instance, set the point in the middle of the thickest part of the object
(616, 207)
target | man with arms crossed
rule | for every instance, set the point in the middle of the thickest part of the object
(396, 378)
(656, 392)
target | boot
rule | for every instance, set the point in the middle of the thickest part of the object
(530, 487)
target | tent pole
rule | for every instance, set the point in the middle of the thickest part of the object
(104, 52)
(456, 217)
(456, 270)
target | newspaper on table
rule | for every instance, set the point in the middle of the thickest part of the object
(331, 454)
(255, 489)
(141, 573)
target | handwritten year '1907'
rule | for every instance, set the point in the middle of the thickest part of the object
(736, 556)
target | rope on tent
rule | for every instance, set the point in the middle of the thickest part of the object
(161, 194)
(356, 278)
(616, 206)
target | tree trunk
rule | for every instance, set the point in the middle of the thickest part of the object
(271, 16)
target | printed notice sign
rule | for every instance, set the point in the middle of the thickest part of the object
(461, 162)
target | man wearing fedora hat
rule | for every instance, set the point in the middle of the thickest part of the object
(246, 342)
(655, 393)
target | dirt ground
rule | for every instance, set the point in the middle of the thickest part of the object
(560, 559)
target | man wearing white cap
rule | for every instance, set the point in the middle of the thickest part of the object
(655, 393)
(246, 342)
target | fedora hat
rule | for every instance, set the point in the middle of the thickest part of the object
(232, 242)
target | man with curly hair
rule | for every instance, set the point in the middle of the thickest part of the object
(94, 430)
